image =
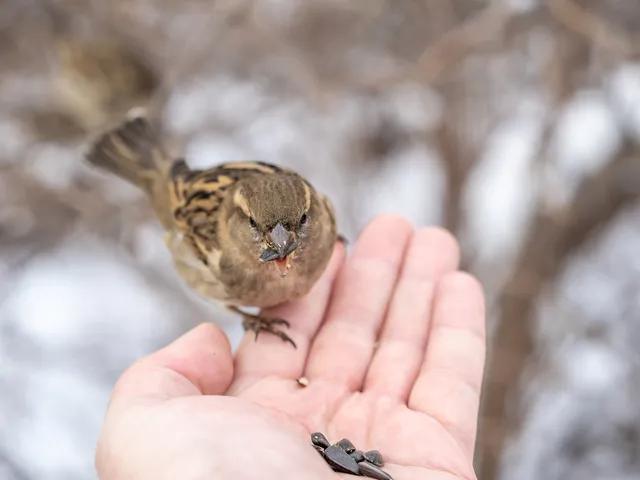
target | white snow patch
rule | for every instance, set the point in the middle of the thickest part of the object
(224, 97)
(119, 192)
(522, 457)
(585, 140)
(414, 107)
(53, 165)
(208, 150)
(502, 190)
(590, 289)
(624, 88)
(277, 135)
(523, 6)
(411, 183)
(61, 300)
(58, 401)
(149, 247)
(593, 367)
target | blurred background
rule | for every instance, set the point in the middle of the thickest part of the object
(514, 123)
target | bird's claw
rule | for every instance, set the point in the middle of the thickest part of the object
(258, 324)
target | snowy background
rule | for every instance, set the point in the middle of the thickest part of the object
(515, 123)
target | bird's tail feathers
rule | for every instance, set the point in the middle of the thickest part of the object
(132, 151)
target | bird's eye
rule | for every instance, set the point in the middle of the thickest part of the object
(303, 219)
(252, 222)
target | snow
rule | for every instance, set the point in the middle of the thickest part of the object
(414, 107)
(624, 89)
(523, 6)
(502, 190)
(209, 149)
(75, 304)
(203, 99)
(71, 399)
(414, 173)
(51, 306)
(587, 137)
(53, 165)
(593, 367)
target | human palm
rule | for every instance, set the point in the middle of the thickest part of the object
(391, 340)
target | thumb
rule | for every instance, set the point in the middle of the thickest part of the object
(197, 363)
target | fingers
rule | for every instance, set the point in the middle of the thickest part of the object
(270, 356)
(343, 348)
(448, 385)
(198, 363)
(395, 365)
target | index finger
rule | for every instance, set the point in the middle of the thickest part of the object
(344, 346)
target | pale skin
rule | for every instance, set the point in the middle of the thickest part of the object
(392, 340)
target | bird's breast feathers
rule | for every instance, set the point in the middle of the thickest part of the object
(235, 284)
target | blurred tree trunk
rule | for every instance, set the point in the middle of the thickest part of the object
(554, 238)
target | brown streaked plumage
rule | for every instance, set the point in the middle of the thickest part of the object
(241, 233)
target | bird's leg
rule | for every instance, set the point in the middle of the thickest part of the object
(258, 323)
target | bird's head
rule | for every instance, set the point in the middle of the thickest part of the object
(273, 219)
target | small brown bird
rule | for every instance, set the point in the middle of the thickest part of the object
(242, 234)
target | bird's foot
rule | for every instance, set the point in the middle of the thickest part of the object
(257, 324)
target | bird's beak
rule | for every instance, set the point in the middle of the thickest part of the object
(282, 240)
(281, 243)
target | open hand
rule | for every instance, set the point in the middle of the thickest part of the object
(392, 341)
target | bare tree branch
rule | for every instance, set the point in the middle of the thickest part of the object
(595, 29)
(457, 160)
(554, 239)
(454, 45)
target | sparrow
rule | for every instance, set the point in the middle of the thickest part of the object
(241, 234)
